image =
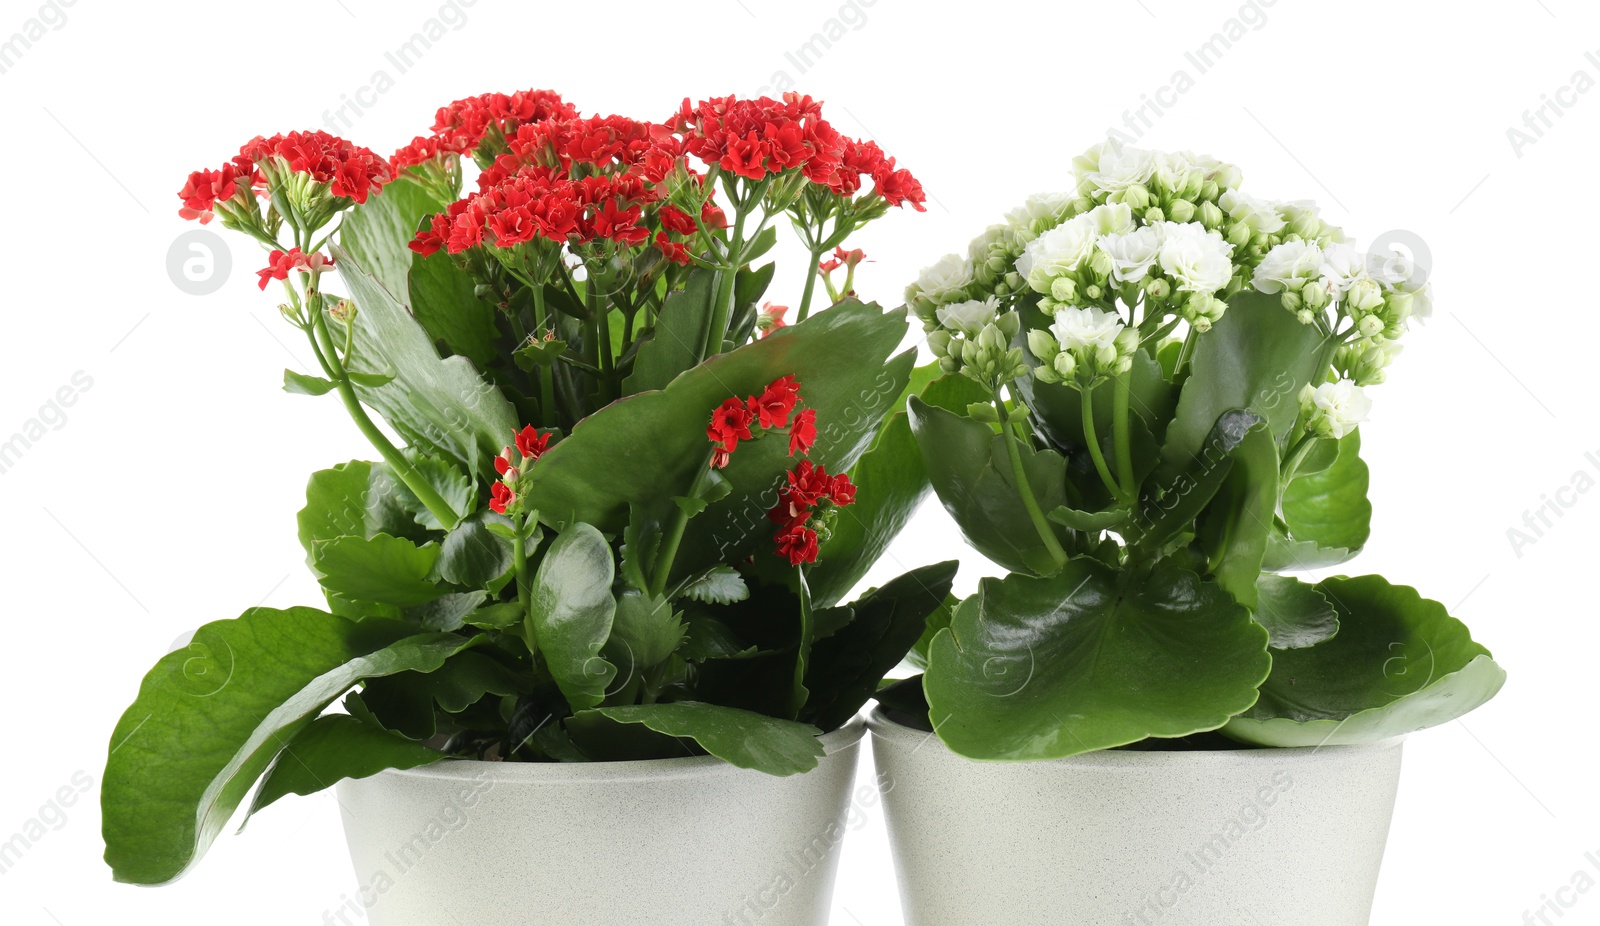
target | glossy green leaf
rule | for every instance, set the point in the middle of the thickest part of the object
(742, 738)
(447, 612)
(390, 570)
(1399, 663)
(1090, 658)
(651, 445)
(847, 666)
(970, 470)
(209, 718)
(444, 301)
(1170, 507)
(406, 702)
(1330, 508)
(473, 556)
(335, 747)
(355, 499)
(379, 231)
(717, 585)
(891, 483)
(571, 611)
(1257, 357)
(679, 334)
(938, 620)
(1234, 529)
(441, 406)
(1295, 613)
(644, 633)
(301, 384)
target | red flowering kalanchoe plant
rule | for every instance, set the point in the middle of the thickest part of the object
(610, 576)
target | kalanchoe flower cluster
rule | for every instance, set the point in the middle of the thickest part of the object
(806, 509)
(776, 408)
(306, 177)
(530, 446)
(1145, 241)
(849, 260)
(1332, 410)
(479, 125)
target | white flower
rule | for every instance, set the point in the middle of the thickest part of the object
(946, 280)
(1039, 210)
(1087, 330)
(1334, 409)
(1261, 216)
(1111, 219)
(968, 317)
(1289, 265)
(1120, 167)
(1060, 250)
(1397, 273)
(1198, 260)
(1172, 168)
(1132, 254)
(1342, 266)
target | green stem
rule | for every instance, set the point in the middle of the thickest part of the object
(547, 384)
(1093, 440)
(1024, 488)
(811, 285)
(1120, 420)
(723, 309)
(1187, 350)
(674, 536)
(398, 464)
(1296, 456)
(519, 559)
(803, 657)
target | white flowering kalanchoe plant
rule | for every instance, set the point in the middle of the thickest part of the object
(1150, 412)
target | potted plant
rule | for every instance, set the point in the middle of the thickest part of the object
(583, 622)
(1151, 416)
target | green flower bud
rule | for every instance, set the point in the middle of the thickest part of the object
(1210, 215)
(1370, 325)
(1291, 301)
(1158, 288)
(1043, 345)
(1400, 305)
(1064, 289)
(1136, 197)
(1209, 190)
(939, 343)
(1093, 292)
(1314, 294)
(1154, 215)
(1100, 264)
(1240, 234)
(1065, 364)
(1305, 316)
(1181, 211)
(1364, 295)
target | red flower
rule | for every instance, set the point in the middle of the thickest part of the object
(349, 171)
(531, 444)
(771, 318)
(502, 464)
(799, 544)
(676, 220)
(672, 250)
(730, 424)
(776, 403)
(281, 263)
(803, 434)
(501, 497)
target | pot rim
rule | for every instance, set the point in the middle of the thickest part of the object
(886, 728)
(623, 772)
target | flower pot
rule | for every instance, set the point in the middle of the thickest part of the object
(666, 842)
(1275, 837)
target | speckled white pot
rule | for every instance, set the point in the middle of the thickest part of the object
(1248, 837)
(668, 842)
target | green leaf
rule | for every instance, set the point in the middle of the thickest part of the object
(1091, 658)
(571, 612)
(847, 666)
(538, 354)
(441, 406)
(938, 620)
(209, 719)
(644, 633)
(444, 300)
(370, 380)
(679, 334)
(407, 701)
(1234, 529)
(1257, 357)
(969, 468)
(1058, 410)
(718, 585)
(891, 484)
(379, 231)
(1169, 508)
(447, 612)
(301, 384)
(650, 446)
(390, 570)
(333, 748)
(750, 285)
(640, 541)
(473, 556)
(1399, 663)
(1330, 508)
(742, 738)
(355, 499)
(1295, 614)
(1089, 521)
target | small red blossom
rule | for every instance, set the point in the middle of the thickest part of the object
(671, 250)
(730, 424)
(770, 319)
(798, 544)
(350, 171)
(809, 487)
(776, 403)
(501, 497)
(803, 433)
(281, 263)
(531, 444)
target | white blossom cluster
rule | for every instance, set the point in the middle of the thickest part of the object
(1147, 237)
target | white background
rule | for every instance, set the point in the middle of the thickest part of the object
(165, 497)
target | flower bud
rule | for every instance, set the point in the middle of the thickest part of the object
(1314, 294)
(1009, 324)
(1370, 325)
(1158, 288)
(1093, 292)
(1154, 215)
(1400, 306)
(1065, 365)
(1364, 295)
(1209, 190)
(1229, 176)
(1210, 215)
(939, 343)
(1136, 197)
(1181, 211)
(1042, 345)
(1291, 301)
(1064, 289)
(1240, 234)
